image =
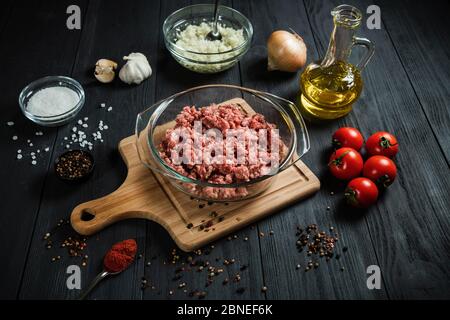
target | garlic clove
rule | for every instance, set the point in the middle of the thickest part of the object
(104, 70)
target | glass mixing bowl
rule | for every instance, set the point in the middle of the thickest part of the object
(152, 124)
(195, 15)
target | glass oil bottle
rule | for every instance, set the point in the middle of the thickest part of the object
(331, 86)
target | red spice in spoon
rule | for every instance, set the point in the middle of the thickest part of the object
(120, 256)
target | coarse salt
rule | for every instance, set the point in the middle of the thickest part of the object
(15, 138)
(52, 101)
(109, 109)
(19, 156)
(10, 123)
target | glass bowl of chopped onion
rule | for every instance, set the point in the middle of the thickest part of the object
(185, 33)
(52, 101)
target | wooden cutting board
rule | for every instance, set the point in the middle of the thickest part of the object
(191, 223)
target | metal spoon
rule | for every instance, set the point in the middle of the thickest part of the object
(102, 275)
(214, 34)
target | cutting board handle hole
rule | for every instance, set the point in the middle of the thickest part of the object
(86, 215)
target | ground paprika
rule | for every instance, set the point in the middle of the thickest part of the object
(120, 256)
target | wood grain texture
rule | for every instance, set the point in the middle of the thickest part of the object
(112, 31)
(409, 225)
(420, 39)
(25, 52)
(280, 254)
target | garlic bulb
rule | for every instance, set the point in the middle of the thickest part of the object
(104, 70)
(136, 70)
(286, 51)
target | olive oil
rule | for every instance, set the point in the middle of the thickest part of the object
(329, 88)
(328, 92)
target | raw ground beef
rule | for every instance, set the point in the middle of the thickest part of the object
(218, 170)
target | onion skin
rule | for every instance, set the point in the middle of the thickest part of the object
(286, 51)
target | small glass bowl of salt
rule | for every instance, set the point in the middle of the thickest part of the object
(52, 101)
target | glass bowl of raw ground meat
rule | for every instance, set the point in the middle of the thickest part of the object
(221, 143)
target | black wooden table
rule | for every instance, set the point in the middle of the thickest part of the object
(407, 92)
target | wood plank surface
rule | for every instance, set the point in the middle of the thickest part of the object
(420, 39)
(28, 53)
(408, 225)
(110, 33)
(282, 278)
(405, 91)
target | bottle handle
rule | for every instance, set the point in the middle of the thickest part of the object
(366, 43)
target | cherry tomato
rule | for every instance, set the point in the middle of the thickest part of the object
(383, 144)
(381, 170)
(361, 193)
(348, 137)
(346, 163)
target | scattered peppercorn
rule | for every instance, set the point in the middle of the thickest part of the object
(213, 214)
(317, 243)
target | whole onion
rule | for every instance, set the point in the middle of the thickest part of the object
(286, 51)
